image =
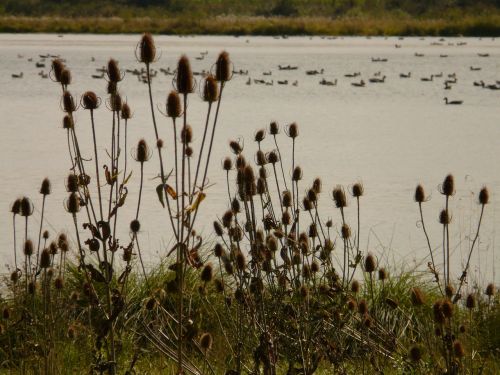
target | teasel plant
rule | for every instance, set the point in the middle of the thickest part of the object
(183, 189)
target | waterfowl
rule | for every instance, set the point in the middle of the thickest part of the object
(40, 65)
(479, 83)
(492, 87)
(295, 83)
(455, 102)
(403, 75)
(352, 75)
(377, 80)
(438, 75)
(447, 86)
(442, 56)
(287, 67)
(427, 79)
(358, 84)
(324, 82)
(267, 73)
(314, 72)
(475, 68)
(284, 82)
(20, 75)
(379, 59)
(419, 54)
(483, 54)
(259, 81)
(448, 81)
(377, 74)
(397, 45)
(452, 75)
(249, 82)
(270, 83)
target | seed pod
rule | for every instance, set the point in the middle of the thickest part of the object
(362, 307)
(45, 235)
(112, 88)
(184, 78)
(67, 122)
(14, 277)
(72, 183)
(31, 287)
(65, 77)
(314, 267)
(260, 135)
(260, 158)
(147, 49)
(370, 263)
(484, 196)
(241, 162)
(223, 69)
(115, 102)
(174, 107)
(218, 229)
(45, 187)
(287, 199)
(415, 353)
(16, 207)
(125, 112)
(339, 197)
(90, 100)
(447, 308)
(26, 207)
(240, 261)
(135, 226)
(206, 341)
(419, 194)
(297, 174)
(304, 291)
(6, 313)
(45, 259)
(355, 286)
(449, 291)
(458, 349)
(382, 274)
(227, 164)
(312, 195)
(219, 285)
(228, 267)
(186, 134)
(448, 186)
(444, 217)
(114, 74)
(345, 231)
(367, 321)
(357, 190)
(142, 153)
(417, 297)
(470, 302)
(272, 157)
(59, 283)
(292, 130)
(28, 248)
(286, 218)
(235, 206)
(73, 203)
(150, 303)
(68, 102)
(227, 218)
(57, 68)
(207, 273)
(274, 128)
(218, 250)
(490, 290)
(210, 89)
(53, 248)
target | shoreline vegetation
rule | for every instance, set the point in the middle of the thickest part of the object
(392, 25)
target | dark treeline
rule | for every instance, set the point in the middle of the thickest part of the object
(329, 8)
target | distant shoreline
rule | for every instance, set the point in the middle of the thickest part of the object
(468, 25)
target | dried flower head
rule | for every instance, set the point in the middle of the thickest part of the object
(490, 290)
(45, 188)
(297, 174)
(90, 100)
(126, 113)
(186, 134)
(287, 199)
(45, 259)
(147, 49)
(115, 102)
(210, 89)
(143, 153)
(448, 186)
(135, 226)
(447, 308)
(339, 197)
(362, 307)
(16, 207)
(355, 286)
(419, 194)
(73, 203)
(26, 207)
(417, 297)
(345, 231)
(68, 103)
(174, 107)
(207, 273)
(458, 349)
(113, 71)
(292, 130)
(28, 248)
(223, 67)
(484, 196)
(57, 68)
(415, 353)
(470, 302)
(65, 77)
(357, 190)
(370, 263)
(382, 274)
(67, 122)
(260, 135)
(184, 77)
(444, 217)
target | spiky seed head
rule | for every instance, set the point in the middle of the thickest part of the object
(174, 107)
(415, 353)
(126, 113)
(142, 153)
(228, 267)
(223, 67)
(6, 313)
(304, 291)
(187, 134)
(218, 229)
(73, 203)
(437, 309)
(382, 274)
(449, 291)
(219, 285)
(490, 290)
(355, 286)
(53, 248)
(115, 102)
(274, 128)
(306, 271)
(458, 349)
(314, 266)
(218, 250)
(351, 304)
(287, 199)
(59, 283)
(227, 164)
(272, 157)
(184, 77)
(207, 273)
(147, 49)
(235, 206)
(227, 218)
(370, 263)
(312, 195)
(114, 73)
(444, 217)
(16, 206)
(72, 183)
(135, 226)
(67, 122)
(90, 100)
(419, 194)
(240, 261)
(297, 174)
(447, 308)
(362, 307)
(57, 68)
(241, 162)
(14, 277)
(260, 158)
(470, 302)
(206, 341)
(26, 207)
(210, 89)
(45, 259)
(448, 186)
(484, 196)
(112, 88)
(357, 190)
(235, 147)
(68, 102)
(417, 296)
(45, 235)
(65, 77)
(45, 188)
(260, 135)
(367, 321)
(28, 248)
(339, 197)
(292, 130)
(345, 231)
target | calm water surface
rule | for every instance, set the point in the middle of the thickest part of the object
(390, 136)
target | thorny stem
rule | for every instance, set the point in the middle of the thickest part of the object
(201, 152)
(40, 235)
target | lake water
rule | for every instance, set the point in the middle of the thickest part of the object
(390, 136)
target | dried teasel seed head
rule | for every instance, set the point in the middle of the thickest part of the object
(286, 218)
(393, 304)
(45, 235)
(313, 231)
(26, 207)
(339, 197)
(419, 194)
(72, 183)
(59, 283)
(312, 195)
(112, 88)
(484, 196)
(449, 291)
(292, 130)
(437, 310)
(458, 349)
(186, 134)
(355, 286)
(287, 199)
(367, 321)
(447, 308)
(142, 152)
(16, 207)
(260, 158)
(46, 187)
(65, 77)
(147, 49)
(227, 218)
(272, 157)
(14, 277)
(150, 303)
(184, 78)
(207, 273)
(235, 147)
(159, 143)
(206, 341)
(241, 162)
(57, 68)
(260, 135)
(31, 287)
(444, 217)
(351, 304)
(297, 174)
(68, 102)
(228, 267)
(45, 259)
(304, 291)
(362, 307)
(274, 128)
(307, 204)
(314, 267)
(415, 353)
(73, 203)
(67, 122)
(417, 297)
(261, 186)
(219, 285)
(448, 186)
(115, 102)
(135, 226)
(6, 313)
(174, 107)
(235, 206)
(227, 164)
(210, 89)
(126, 113)
(462, 328)
(218, 250)
(90, 100)
(218, 229)
(470, 302)
(357, 190)
(490, 290)
(370, 263)
(345, 231)
(382, 274)
(240, 261)
(223, 67)
(113, 71)
(53, 248)
(28, 248)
